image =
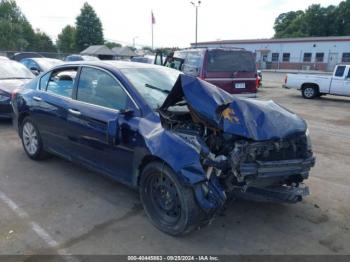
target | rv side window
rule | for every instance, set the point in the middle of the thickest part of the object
(192, 64)
(340, 71)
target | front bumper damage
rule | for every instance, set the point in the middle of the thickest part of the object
(267, 169)
(278, 181)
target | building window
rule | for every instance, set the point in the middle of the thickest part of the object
(346, 57)
(307, 57)
(319, 57)
(275, 57)
(286, 57)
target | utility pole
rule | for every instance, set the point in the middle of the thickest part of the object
(133, 41)
(196, 5)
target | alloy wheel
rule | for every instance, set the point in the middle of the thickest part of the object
(30, 138)
(309, 92)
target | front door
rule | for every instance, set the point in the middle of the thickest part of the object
(338, 81)
(332, 61)
(100, 98)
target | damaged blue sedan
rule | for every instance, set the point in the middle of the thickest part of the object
(186, 145)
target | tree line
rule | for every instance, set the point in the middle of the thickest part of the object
(315, 21)
(17, 34)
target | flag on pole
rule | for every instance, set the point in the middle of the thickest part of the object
(153, 19)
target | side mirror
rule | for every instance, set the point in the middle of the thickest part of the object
(113, 132)
(35, 71)
(127, 113)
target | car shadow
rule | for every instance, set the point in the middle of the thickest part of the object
(328, 98)
(5, 122)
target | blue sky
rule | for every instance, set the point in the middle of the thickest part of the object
(175, 19)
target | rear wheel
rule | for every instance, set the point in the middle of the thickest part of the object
(170, 206)
(309, 92)
(31, 140)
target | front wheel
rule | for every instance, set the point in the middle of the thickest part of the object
(31, 140)
(170, 206)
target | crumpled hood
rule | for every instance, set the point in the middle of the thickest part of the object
(9, 85)
(249, 118)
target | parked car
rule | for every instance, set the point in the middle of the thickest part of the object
(40, 64)
(72, 58)
(232, 69)
(20, 56)
(312, 86)
(185, 144)
(12, 75)
(148, 59)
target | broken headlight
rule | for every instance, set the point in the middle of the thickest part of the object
(308, 140)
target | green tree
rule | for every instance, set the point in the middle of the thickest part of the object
(112, 44)
(89, 29)
(16, 33)
(315, 21)
(342, 16)
(43, 43)
(289, 24)
(66, 40)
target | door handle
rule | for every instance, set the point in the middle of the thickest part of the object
(74, 112)
(36, 98)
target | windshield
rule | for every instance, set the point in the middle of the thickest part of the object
(47, 64)
(14, 70)
(154, 84)
(230, 61)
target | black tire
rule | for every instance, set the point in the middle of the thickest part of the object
(310, 92)
(39, 153)
(170, 206)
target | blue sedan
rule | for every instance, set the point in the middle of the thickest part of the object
(186, 145)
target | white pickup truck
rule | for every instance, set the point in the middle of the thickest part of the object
(312, 86)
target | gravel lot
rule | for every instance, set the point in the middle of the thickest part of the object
(55, 207)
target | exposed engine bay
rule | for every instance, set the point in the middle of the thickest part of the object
(271, 170)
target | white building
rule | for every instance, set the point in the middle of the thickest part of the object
(310, 53)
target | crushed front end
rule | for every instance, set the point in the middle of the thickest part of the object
(249, 149)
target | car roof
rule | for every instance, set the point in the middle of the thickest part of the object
(38, 59)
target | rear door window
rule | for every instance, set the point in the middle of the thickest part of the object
(99, 88)
(61, 82)
(230, 61)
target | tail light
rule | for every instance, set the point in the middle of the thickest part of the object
(257, 83)
(14, 93)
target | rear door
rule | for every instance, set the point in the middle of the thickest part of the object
(100, 97)
(232, 70)
(50, 108)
